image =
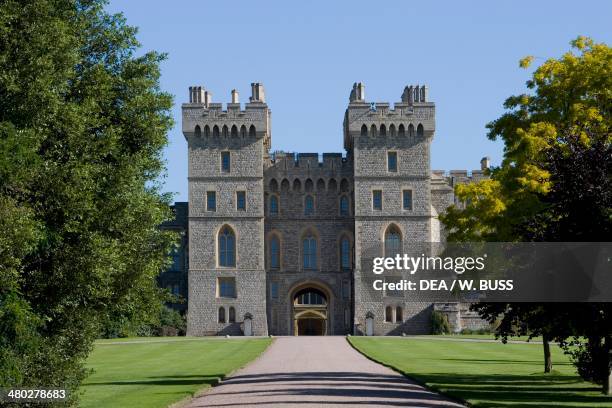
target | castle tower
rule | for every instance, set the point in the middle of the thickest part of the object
(390, 148)
(227, 148)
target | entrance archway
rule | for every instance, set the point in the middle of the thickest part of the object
(310, 312)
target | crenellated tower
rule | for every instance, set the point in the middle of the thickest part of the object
(227, 149)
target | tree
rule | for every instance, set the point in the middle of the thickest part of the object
(82, 126)
(553, 185)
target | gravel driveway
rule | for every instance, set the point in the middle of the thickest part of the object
(317, 372)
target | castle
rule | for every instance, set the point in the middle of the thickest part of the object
(273, 241)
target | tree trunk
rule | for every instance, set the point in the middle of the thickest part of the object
(607, 386)
(547, 358)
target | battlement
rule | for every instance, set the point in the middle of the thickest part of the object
(328, 161)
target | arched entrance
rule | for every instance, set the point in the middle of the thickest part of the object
(310, 312)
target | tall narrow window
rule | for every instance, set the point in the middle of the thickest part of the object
(308, 205)
(273, 205)
(274, 252)
(388, 314)
(420, 130)
(392, 161)
(345, 253)
(211, 201)
(309, 252)
(198, 131)
(274, 290)
(232, 315)
(226, 287)
(364, 130)
(225, 162)
(241, 200)
(252, 131)
(346, 289)
(411, 130)
(227, 247)
(221, 314)
(393, 241)
(407, 199)
(398, 314)
(344, 206)
(377, 199)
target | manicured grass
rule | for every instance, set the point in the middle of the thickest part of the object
(486, 374)
(155, 372)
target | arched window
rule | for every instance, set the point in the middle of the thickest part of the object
(308, 205)
(252, 131)
(221, 314)
(273, 185)
(344, 185)
(373, 130)
(227, 247)
(320, 185)
(198, 131)
(420, 130)
(273, 205)
(345, 253)
(400, 131)
(411, 130)
(274, 252)
(206, 131)
(309, 252)
(215, 131)
(364, 130)
(392, 130)
(388, 314)
(332, 186)
(285, 185)
(310, 296)
(232, 315)
(344, 206)
(243, 132)
(398, 314)
(383, 130)
(308, 186)
(224, 131)
(234, 131)
(297, 185)
(393, 241)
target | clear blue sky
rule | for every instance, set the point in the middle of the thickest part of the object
(308, 54)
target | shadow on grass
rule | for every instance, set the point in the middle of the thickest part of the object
(160, 380)
(503, 390)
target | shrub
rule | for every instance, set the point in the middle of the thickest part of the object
(439, 323)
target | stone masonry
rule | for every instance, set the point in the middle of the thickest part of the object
(299, 223)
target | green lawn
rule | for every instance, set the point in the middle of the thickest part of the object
(486, 374)
(155, 372)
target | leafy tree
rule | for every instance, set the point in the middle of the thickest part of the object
(553, 185)
(82, 126)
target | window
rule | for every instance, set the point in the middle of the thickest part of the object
(364, 130)
(227, 247)
(392, 161)
(198, 131)
(221, 315)
(398, 314)
(310, 297)
(232, 315)
(176, 289)
(274, 290)
(273, 205)
(241, 200)
(225, 162)
(346, 289)
(344, 206)
(420, 130)
(407, 199)
(388, 314)
(252, 131)
(393, 241)
(226, 287)
(411, 130)
(308, 205)
(345, 253)
(274, 252)
(309, 252)
(211, 201)
(377, 199)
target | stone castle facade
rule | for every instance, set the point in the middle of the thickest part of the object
(273, 241)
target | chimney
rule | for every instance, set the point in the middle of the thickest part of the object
(485, 163)
(195, 94)
(235, 96)
(360, 92)
(257, 93)
(424, 92)
(207, 98)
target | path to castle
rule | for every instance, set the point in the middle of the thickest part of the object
(317, 372)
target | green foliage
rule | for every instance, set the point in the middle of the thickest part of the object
(82, 127)
(439, 323)
(553, 185)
